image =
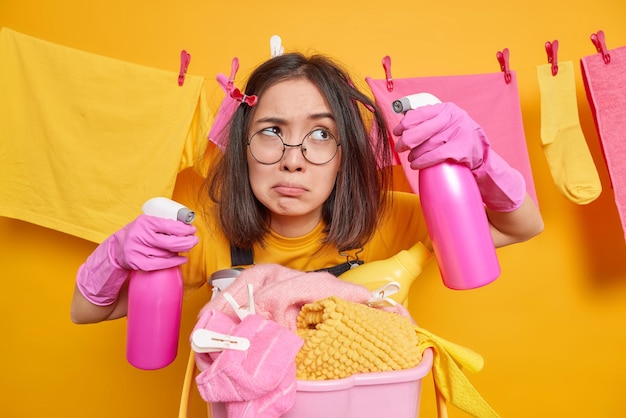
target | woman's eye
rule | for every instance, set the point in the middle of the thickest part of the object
(320, 134)
(271, 131)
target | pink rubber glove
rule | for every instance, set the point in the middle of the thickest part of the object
(148, 243)
(445, 132)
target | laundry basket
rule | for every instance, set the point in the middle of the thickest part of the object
(366, 395)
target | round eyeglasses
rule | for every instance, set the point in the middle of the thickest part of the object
(318, 146)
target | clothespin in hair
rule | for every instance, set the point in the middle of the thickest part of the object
(243, 98)
(185, 57)
(600, 44)
(503, 59)
(551, 49)
(387, 67)
(276, 49)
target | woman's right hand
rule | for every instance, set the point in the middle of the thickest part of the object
(152, 243)
(148, 243)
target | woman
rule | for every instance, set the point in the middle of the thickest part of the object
(299, 185)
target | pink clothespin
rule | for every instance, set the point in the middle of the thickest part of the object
(552, 49)
(600, 44)
(387, 67)
(185, 57)
(234, 67)
(503, 59)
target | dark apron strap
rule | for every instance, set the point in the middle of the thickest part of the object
(245, 257)
(339, 269)
(241, 256)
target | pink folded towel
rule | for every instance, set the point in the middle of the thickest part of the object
(280, 293)
(259, 382)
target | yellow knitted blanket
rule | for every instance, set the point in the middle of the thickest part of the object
(342, 338)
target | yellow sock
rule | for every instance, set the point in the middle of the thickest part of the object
(564, 145)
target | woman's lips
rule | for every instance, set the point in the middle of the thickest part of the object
(287, 189)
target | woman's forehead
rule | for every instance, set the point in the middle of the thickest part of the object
(292, 98)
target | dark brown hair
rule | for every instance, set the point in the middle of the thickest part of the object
(358, 200)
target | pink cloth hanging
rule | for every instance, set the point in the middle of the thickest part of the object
(218, 133)
(605, 85)
(487, 98)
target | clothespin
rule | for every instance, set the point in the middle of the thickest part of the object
(387, 67)
(207, 341)
(242, 311)
(244, 98)
(552, 49)
(185, 57)
(380, 296)
(503, 59)
(234, 67)
(600, 44)
(276, 49)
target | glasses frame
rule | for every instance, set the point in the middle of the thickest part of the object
(285, 146)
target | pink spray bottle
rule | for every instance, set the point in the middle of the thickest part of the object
(155, 302)
(455, 217)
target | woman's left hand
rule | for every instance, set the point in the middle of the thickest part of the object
(445, 132)
(441, 132)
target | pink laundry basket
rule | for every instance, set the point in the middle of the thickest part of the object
(367, 395)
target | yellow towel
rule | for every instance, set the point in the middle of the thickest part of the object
(454, 386)
(342, 338)
(86, 139)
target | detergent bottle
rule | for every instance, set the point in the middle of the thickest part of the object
(403, 268)
(455, 217)
(155, 302)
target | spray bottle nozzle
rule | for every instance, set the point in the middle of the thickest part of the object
(168, 209)
(413, 101)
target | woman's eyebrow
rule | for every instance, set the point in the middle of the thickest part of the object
(325, 115)
(271, 119)
(281, 121)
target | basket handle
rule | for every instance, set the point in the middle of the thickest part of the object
(442, 407)
(185, 396)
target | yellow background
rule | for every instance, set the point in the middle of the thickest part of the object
(551, 328)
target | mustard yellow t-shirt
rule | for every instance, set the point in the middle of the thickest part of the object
(402, 227)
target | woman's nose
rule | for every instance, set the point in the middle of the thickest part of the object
(293, 159)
